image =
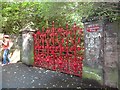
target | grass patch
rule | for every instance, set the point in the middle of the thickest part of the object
(92, 74)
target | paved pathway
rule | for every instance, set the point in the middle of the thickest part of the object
(21, 76)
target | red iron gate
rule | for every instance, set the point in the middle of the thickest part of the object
(59, 49)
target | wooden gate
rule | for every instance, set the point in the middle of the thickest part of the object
(59, 49)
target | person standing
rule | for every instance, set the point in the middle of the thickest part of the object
(5, 47)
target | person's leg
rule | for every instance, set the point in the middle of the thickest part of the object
(4, 56)
(7, 56)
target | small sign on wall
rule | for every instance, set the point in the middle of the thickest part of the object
(93, 28)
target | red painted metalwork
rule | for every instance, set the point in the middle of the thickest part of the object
(59, 49)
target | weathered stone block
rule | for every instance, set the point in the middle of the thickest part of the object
(111, 76)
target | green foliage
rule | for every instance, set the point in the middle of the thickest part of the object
(15, 15)
(106, 9)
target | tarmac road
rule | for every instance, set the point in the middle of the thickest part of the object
(22, 76)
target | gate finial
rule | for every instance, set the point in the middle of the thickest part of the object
(53, 23)
(66, 25)
(74, 24)
(42, 29)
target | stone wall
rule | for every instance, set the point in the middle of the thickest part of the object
(118, 55)
(15, 49)
(1, 38)
(111, 54)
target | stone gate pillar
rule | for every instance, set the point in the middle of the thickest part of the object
(27, 55)
(93, 63)
(102, 45)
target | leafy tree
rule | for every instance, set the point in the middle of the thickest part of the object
(15, 15)
(109, 10)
